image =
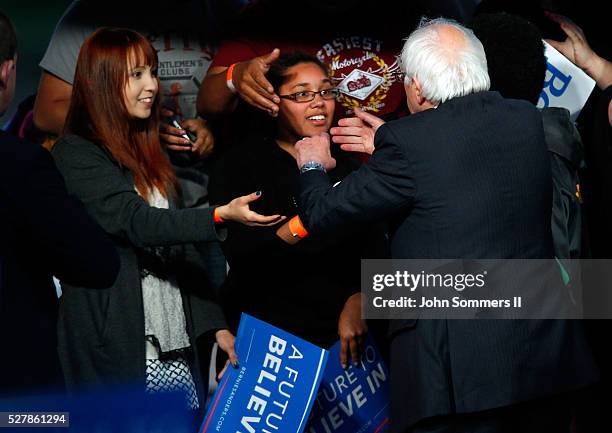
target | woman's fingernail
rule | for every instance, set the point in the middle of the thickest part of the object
(258, 193)
(236, 364)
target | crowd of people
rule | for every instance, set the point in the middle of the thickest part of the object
(173, 177)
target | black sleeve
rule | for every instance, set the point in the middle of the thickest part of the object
(74, 247)
(378, 189)
(111, 199)
(566, 213)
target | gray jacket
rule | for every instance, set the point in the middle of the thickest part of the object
(101, 332)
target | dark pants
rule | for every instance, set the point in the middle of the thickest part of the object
(549, 415)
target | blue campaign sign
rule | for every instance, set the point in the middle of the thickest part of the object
(355, 400)
(275, 386)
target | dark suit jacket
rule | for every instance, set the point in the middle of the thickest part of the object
(470, 179)
(43, 232)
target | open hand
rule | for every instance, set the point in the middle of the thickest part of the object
(356, 134)
(575, 47)
(252, 85)
(238, 210)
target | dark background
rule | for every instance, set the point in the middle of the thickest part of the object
(34, 21)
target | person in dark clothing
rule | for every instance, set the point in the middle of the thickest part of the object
(517, 68)
(263, 279)
(43, 232)
(595, 125)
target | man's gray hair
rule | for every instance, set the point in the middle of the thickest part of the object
(444, 72)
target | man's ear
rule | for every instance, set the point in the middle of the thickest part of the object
(418, 90)
(5, 70)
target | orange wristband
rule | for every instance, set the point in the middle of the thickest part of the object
(229, 78)
(216, 218)
(296, 228)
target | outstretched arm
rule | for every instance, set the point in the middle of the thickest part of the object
(110, 197)
(378, 189)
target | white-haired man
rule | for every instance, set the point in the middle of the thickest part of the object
(466, 176)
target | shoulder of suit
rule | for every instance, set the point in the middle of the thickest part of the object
(413, 122)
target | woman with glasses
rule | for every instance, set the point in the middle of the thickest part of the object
(301, 288)
(142, 331)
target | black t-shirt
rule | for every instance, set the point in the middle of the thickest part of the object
(300, 288)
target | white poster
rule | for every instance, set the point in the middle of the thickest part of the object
(565, 84)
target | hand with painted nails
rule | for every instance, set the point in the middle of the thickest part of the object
(250, 81)
(356, 134)
(225, 340)
(577, 50)
(352, 330)
(238, 210)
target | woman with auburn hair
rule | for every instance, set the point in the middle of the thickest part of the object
(143, 329)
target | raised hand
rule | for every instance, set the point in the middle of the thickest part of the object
(577, 50)
(356, 134)
(575, 47)
(252, 85)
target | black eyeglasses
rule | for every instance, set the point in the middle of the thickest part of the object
(309, 95)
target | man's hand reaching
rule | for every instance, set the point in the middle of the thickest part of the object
(356, 134)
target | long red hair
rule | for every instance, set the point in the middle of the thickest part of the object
(98, 112)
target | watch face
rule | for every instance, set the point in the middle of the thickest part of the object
(312, 165)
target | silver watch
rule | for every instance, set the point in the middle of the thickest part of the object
(312, 165)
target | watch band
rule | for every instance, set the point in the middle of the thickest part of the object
(312, 165)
